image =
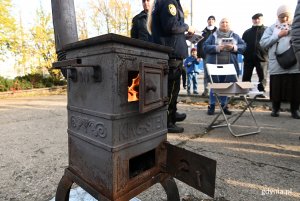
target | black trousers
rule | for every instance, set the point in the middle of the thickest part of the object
(285, 88)
(175, 67)
(183, 75)
(261, 70)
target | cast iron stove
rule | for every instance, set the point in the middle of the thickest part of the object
(117, 138)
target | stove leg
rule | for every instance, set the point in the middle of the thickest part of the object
(63, 189)
(171, 189)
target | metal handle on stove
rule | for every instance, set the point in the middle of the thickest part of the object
(71, 63)
(150, 88)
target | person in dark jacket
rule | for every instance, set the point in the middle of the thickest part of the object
(168, 28)
(255, 56)
(210, 29)
(139, 23)
(295, 33)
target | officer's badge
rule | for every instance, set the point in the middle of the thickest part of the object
(172, 9)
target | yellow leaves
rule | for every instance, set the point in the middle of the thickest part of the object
(34, 49)
(7, 24)
(115, 15)
(82, 24)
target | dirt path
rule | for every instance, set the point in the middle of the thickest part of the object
(33, 147)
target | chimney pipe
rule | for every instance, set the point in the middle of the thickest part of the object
(64, 23)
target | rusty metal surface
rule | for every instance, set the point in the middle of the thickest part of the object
(193, 169)
(171, 189)
(70, 176)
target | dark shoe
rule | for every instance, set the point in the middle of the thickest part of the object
(261, 96)
(260, 87)
(211, 110)
(172, 128)
(205, 93)
(184, 87)
(226, 111)
(188, 93)
(296, 114)
(180, 116)
(195, 92)
(275, 113)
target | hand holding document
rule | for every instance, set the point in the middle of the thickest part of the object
(227, 44)
(194, 38)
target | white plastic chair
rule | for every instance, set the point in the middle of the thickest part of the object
(229, 70)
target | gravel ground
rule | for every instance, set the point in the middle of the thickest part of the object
(34, 154)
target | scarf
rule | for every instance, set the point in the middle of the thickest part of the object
(221, 34)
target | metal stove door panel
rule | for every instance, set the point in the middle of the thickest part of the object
(193, 169)
(151, 87)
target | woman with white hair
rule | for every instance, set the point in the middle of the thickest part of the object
(284, 83)
(218, 52)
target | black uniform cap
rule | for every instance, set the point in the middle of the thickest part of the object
(256, 16)
(211, 17)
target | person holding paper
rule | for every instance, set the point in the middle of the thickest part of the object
(222, 47)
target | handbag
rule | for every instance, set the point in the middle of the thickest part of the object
(287, 58)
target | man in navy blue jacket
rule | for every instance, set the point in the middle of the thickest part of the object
(168, 28)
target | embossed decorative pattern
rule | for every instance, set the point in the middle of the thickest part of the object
(89, 126)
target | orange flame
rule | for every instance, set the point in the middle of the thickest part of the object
(133, 90)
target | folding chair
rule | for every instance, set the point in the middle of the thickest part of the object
(229, 70)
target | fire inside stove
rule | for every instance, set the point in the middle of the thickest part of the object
(133, 86)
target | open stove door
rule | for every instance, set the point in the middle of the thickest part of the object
(193, 169)
(152, 83)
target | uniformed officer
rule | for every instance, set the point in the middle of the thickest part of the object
(139, 23)
(168, 28)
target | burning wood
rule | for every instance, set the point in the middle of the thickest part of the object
(133, 90)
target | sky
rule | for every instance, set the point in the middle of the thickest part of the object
(239, 12)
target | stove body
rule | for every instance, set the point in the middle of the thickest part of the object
(118, 148)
